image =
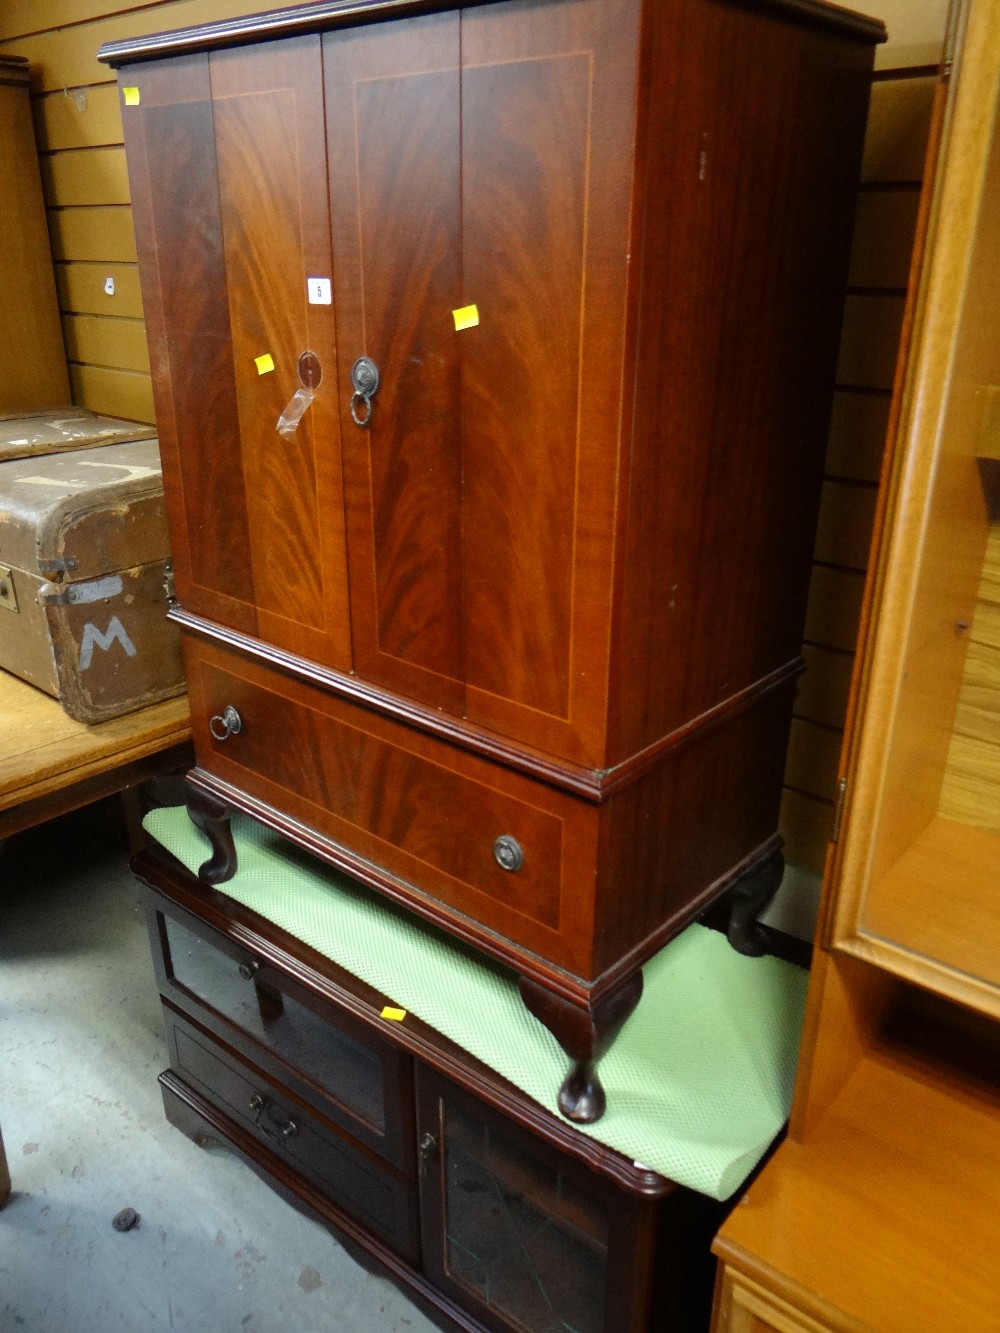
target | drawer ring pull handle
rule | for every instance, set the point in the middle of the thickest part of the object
(280, 1133)
(508, 853)
(249, 970)
(225, 724)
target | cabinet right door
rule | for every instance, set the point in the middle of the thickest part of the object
(480, 172)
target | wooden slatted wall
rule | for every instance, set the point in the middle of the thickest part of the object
(79, 134)
(78, 125)
(898, 126)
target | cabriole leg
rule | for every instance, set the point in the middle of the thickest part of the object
(748, 898)
(212, 816)
(584, 1032)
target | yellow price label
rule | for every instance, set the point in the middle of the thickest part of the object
(466, 318)
(397, 1015)
(264, 363)
(131, 96)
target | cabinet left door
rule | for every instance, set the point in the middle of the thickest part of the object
(227, 166)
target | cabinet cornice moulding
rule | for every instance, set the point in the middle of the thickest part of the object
(326, 14)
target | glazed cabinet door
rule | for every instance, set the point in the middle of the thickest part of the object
(919, 858)
(227, 163)
(479, 174)
(518, 1234)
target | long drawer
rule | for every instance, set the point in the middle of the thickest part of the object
(378, 1197)
(365, 1085)
(493, 845)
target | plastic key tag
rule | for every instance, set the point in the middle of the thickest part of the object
(131, 96)
(397, 1015)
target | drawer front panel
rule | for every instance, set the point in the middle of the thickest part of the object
(367, 1190)
(362, 1083)
(433, 818)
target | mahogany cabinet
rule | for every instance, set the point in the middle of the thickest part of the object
(493, 350)
(486, 1208)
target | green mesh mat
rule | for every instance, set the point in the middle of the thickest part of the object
(698, 1081)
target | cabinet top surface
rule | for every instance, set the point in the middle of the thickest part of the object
(324, 14)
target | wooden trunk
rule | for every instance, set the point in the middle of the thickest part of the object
(493, 350)
(84, 572)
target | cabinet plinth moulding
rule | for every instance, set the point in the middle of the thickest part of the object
(493, 349)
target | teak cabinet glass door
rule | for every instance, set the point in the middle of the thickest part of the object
(257, 517)
(466, 171)
(920, 864)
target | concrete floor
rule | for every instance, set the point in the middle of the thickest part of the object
(81, 1045)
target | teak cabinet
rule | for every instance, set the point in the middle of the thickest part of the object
(881, 1210)
(493, 350)
(496, 1213)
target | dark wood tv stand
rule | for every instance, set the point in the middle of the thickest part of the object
(493, 1212)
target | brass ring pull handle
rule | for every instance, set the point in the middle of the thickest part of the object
(365, 378)
(225, 724)
(281, 1132)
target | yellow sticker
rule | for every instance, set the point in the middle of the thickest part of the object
(397, 1015)
(264, 363)
(466, 318)
(131, 96)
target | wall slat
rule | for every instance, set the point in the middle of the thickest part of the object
(846, 516)
(813, 756)
(824, 685)
(120, 393)
(78, 118)
(857, 435)
(19, 17)
(102, 340)
(67, 57)
(92, 234)
(885, 224)
(834, 607)
(806, 825)
(85, 176)
(899, 122)
(870, 340)
(82, 289)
